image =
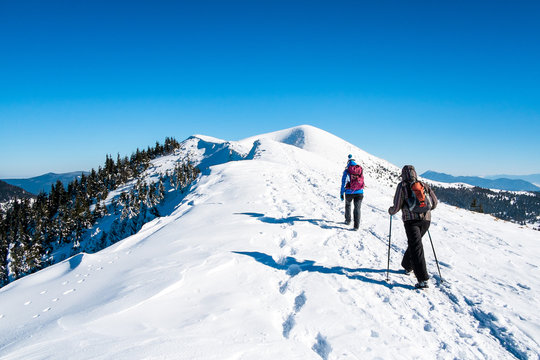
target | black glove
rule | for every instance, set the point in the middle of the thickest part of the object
(341, 196)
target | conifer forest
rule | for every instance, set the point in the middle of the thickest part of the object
(36, 233)
(518, 207)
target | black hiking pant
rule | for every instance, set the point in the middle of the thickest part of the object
(357, 199)
(414, 255)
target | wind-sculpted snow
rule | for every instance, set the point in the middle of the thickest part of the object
(255, 263)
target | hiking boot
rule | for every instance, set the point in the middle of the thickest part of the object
(347, 222)
(422, 285)
(407, 272)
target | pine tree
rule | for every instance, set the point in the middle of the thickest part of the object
(3, 251)
(161, 189)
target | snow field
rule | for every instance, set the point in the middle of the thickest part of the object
(256, 263)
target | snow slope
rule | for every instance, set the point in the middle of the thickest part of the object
(255, 263)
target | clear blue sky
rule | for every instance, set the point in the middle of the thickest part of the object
(448, 86)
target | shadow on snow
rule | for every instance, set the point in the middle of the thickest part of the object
(293, 267)
(322, 223)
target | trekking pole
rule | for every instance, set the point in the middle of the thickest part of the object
(389, 240)
(437, 261)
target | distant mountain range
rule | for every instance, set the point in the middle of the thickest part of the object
(499, 183)
(533, 178)
(10, 192)
(43, 182)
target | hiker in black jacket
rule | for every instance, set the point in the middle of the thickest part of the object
(416, 221)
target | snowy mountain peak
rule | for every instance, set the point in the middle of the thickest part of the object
(317, 141)
(303, 136)
(255, 262)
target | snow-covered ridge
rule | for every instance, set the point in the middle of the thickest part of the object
(255, 263)
(206, 151)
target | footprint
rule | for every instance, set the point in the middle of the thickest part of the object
(43, 292)
(464, 334)
(55, 299)
(1, 316)
(288, 325)
(299, 302)
(65, 282)
(35, 316)
(322, 347)
(27, 303)
(80, 281)
(47, 309)
(294, 270)
(69, 291)
(283, 287)
(523, 286)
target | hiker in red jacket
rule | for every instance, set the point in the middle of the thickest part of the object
(415, 199)
(352, 185)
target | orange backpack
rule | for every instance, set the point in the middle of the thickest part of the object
(419, 200)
